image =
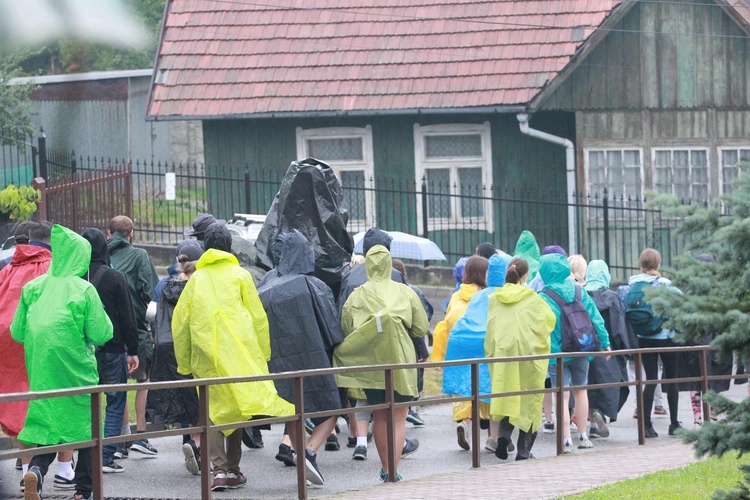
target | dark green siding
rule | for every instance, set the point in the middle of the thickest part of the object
(663, 55)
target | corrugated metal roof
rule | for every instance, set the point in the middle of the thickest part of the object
(231, 58)
(82, 77)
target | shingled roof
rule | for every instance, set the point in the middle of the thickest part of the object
(238, 58)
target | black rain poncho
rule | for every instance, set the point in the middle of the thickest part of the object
(311, 201)
(304, 326)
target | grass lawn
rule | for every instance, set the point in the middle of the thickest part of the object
(699, 480)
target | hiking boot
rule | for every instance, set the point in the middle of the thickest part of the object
(360, 453)
(112, 467)
(32, 484)
(675, 429)
(490, 445)
(415, 418)
(584, 443)
(286, 455)
(121, 453)
(659, 410)
(143, 446)
(192, 457)
(384, 477)
(603, 430)
(235, 479)
(332, 443)
(64, 483)
(351, 442)
(462, 434)
(220, 482)
(410, 446)
(501, 451)
(650, 432)
(549, 428)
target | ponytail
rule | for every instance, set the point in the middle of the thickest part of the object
(517, 269)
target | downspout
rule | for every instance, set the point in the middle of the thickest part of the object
(570, 167)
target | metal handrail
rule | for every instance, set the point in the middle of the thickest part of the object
(390, 405)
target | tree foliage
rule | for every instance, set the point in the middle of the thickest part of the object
(715, 298)
(15, 107)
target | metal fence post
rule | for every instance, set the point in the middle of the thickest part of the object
(475, 415)
(248, 208)
(605, 209)
(704, 384)
(639, 398)
(559, 406)
(97, 483)
(390, 427)
(42, 145)
(205, 444)
(425, 232)
(299, 440)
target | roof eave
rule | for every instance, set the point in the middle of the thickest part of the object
(167, 6)
(743, 21)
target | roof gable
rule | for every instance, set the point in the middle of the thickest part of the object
(234, 59)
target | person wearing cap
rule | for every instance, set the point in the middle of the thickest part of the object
(200, 225)
(21, 237)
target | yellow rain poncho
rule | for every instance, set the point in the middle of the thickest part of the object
(519, 324)
(378, 320)
(220, 329)
(454, 312)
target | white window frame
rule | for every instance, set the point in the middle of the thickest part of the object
(683, 148)
(721, 163)
(621, 150)
(338, 166)
(422, 164)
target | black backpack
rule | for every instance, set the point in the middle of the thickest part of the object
(577, 332)
(638, 312)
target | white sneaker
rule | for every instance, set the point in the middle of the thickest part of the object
(585, 444)
(567, 448)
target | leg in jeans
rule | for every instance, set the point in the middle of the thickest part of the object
(83, 472)
(115, 372)
(234, 450)
(670, 360)
(651, 367)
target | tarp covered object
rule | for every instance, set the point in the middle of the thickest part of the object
(311, 201)
(59, 320)
(28, 262)
(304, 325)
(246, 255)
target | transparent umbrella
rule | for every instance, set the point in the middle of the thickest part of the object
(406, 246)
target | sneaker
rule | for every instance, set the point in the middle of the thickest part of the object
(351, 442)
(360, 453)
(309, 425)
(410, 446)
(332, 443)
(252, 438)
(585, 443)
(549, 428)
(63, 483)
(603, 430)
(121, 453)
(286, 455)
(650, 432)
(220, 482)
(384, 477)
(311, 468)
(112, 467)
(192, 457)
(143, 446)
(462, 433)
(415, 418)
(567, 447)
(659, 410)
(19, 465)
(32, 484)
(490, 445)
(594, 433)
(675, 429)
(235, 479)
(501, 451)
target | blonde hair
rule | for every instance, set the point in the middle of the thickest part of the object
(187, 269)
(650, 260)
(357, 260)
(578, 268)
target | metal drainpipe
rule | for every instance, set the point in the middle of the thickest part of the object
(570, 165)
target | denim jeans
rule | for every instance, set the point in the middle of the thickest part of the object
(113, 369)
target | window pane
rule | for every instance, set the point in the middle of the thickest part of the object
(662, 159)
(700, 192)
(633, 182)
(596, 158)
(438, 185)
(447, 146)
(470, 185)
(681, 158)
(663, 181)
(614, 159)
(353, 184)
(336, 149)
(744, 155)
(698, 158)
(632, 157)
(729, 157)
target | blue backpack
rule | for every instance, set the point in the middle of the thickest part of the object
(638, 313)
(577, 332)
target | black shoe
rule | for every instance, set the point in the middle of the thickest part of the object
(675, 429)
(122, 452)
(530, 457)
(192, 457)
(312, 472)
(415, 418)
(351, 442)
(252, 438)
(285, 455)
(112, 467)
(501, 451)
(32, 484)
(19, 465)
(650, 432)
(410, 446)
(332, 443)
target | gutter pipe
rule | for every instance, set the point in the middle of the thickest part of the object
(570, 167)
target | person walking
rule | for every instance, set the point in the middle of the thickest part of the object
(140, 275)
(58, 320)
(379, 318)
(119, 356)
(220, 329)
(519, 323)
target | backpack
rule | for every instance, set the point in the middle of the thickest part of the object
(638, 312)
(577, 332)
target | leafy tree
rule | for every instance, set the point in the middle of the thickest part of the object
(716, 298)
(15, 107)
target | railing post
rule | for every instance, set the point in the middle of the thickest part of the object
(475, 415)
(605, 209)
(205, 445)
(41, 207)
(247, 192)
(42, 145)
(299, 440)
(97, 483)
(390, 427)
(559, 404)
(639, 398)
(704, 384)
(425, 232)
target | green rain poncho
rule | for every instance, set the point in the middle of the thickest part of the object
(519, 324)
(378, 320)
(59, 320)
(220, 329)
(528, 250)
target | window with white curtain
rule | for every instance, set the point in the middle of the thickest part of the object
(731, 158)
(620, 171)
(681, 172)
